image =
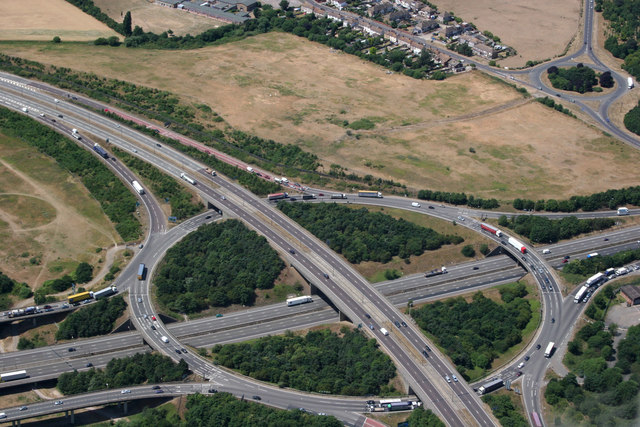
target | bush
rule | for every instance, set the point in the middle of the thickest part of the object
(84, 272)
(468, 251)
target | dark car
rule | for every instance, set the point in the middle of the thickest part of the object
(428, 348)
(153, 328)
(184, 350)
(502, 242)
(553, 320)
(70, 349)
(257, 398)
(23, 408)
(404, 324)
(88, 365)
(207, 217)
(47, 306)
(326, 276)
(475, 267)
(158, 145)
(567, 256)
(155, 387)
(546, 280)
(431, 207)
(292, 199)
(60, 115)
(526, 358)
(606, 239)
(397, 324)
(213, 390)
(424, 352)
(367, 315)
(292, 252)
(178, 351)
(538, 347)
(159, 391)
(519, 373)
(371, 402)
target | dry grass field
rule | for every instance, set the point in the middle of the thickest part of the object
(155, 18)
(537, 30)
(45, 215)
(19, 21)
(285, 88)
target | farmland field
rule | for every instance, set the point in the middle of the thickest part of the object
(285, 88)
(54, 18)
(48, 221)
(537, 30)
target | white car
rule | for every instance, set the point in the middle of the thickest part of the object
(58, 402)
(447, 378)
(454, 377)
(125, 391)
(521, 365)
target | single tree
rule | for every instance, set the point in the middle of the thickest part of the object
(126, 25)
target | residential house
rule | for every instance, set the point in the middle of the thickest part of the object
(339, 4)
(380, 8)
(452, 30)
(399, 15)
(425, 26)
(484, 51)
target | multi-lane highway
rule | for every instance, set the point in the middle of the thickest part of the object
(349, 292)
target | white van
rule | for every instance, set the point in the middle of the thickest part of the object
(3, 415)
(384, 331)
(415, 204)
(164, 339)
(546, 251)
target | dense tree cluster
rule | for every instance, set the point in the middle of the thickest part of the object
(593, 265)
(115, 198)
(549, 102)
(458, 199)
(137, 369)
(9, 286)
(421, 417)
(605, 397)
(623, 18)
(320, 361)
(95, 319)
(577, 79)
(544, 230)
(632, 120)
(609, 199)
(475, 333)
(361, 235)
(163, 186)
(223, 409)
(84, 272)
(504, 409)
(217, 265)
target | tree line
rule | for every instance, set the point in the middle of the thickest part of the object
(549, 102)
(623, 20)
(577, 79)
(96, 319)
(589, 266)
(458, 199)
(605, 396)
(361, 235)
(114, 197)
(321, 361)
(609, 199)
(473, 334)
(133, 370)
(217, 265)
(164, 186)
(539, 229)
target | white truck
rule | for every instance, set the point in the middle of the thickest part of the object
(630, 82)
(549, 350)
(136, 186)
(384, 331)
(164, 339)
(25, 110)
(187, 178)
(75, 134)
(415, 204)
(249, 169)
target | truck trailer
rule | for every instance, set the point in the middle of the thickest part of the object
(141, 271)
(339, 196)
(299, 300)
(595, 279)
(365, 193)
(79, 297)
(106, 292)
(136, 186)
(516, 244)
(491, 229)
(399, 406)
(583, 290)
(11, 376)
(277, 196)
(101, 151)
(491, 386)
(187, 178)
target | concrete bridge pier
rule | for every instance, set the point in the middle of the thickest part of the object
(15, 423)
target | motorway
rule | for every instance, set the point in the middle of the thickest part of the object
(344, 286)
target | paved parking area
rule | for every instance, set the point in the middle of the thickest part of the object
(624, 316)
